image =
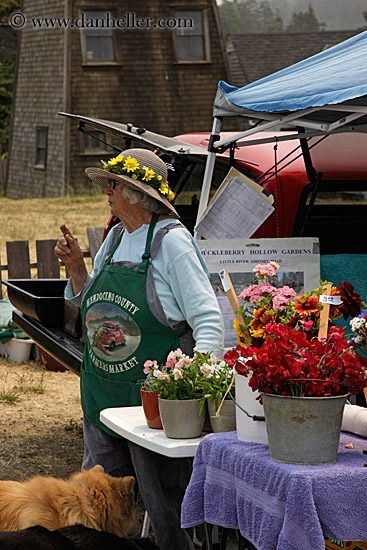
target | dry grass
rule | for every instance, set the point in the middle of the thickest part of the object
(36, 219)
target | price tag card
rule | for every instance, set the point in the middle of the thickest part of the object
(224, 279)
(333, 300)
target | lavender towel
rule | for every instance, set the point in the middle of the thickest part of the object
(277, 506)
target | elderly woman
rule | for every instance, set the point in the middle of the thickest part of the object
(150, 280)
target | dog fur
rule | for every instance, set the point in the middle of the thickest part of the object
(76, 537)
(90, 498)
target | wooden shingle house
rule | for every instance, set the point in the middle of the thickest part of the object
(154, 63)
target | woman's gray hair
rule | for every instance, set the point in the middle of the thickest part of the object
(147, 202)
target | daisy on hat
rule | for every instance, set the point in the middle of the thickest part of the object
(139, 169)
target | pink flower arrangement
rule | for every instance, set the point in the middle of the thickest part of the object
(266, 270)
(264, 304)
(182, 377)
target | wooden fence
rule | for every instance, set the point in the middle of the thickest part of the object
(19, 266)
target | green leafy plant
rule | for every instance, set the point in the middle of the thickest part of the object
(182, 377)
(33, 389)
(8, 397)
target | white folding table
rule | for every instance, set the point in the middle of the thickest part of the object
(130, 423)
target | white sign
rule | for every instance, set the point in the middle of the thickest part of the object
(237, 209)
(299, 260)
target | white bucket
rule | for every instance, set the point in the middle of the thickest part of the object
(247, 428)
(17, 349)
(355, 420)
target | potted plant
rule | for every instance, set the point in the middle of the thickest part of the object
(184, 384)
(149, 396)
(303, 379)
(217, 382)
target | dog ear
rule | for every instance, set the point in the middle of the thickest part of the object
(97, 468)
(124, 486)
(128, 482)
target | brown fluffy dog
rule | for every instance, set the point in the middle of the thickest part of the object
(91, 498)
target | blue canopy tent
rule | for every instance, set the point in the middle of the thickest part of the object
(324, 94)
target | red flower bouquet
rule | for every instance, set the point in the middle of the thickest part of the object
(288, 363)
(285, 356)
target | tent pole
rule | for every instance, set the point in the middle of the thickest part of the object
(209, 169)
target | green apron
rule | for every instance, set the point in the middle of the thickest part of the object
(122, 333)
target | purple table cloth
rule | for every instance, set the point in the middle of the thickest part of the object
(277, 506)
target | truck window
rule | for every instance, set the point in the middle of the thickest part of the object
(338, 217)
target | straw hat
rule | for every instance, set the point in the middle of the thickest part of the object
(139, 169)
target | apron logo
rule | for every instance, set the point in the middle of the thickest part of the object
(113, 368)
(113, 335)
(108, 336)
(111, 297)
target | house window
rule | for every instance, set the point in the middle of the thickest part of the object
(192, 43)
(41, 147)
(93, 142)
(98, 40)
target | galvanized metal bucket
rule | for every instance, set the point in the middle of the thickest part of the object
(303, 430)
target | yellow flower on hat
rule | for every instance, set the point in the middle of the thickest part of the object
(113, 161)
(131, 164)
(149, 174)
(164, 189)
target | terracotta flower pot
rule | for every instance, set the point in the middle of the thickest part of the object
(149, 401)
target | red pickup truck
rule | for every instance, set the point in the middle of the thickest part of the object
(109, 335)
(335, 211)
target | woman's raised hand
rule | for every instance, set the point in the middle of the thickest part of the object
(67, 249)
(69, 252)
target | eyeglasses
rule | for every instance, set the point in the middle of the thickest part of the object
(105, 183)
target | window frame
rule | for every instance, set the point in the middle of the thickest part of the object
(91, 151)
(205, 35)
(83, 40)
(37, 164)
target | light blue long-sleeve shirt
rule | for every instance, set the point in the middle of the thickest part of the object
(181, 279)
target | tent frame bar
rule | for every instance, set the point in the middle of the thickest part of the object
(218, 145)
(274, 121)
(295, 120)
(344, 120)
(314, 133)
